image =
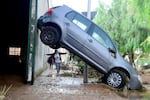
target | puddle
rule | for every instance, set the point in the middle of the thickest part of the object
(75, 86)
(63, 91)
(69, 81)
(49, 86)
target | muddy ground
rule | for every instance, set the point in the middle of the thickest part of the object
(49, 86)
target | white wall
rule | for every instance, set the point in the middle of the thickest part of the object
(41, 49)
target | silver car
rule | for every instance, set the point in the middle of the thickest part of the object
(61, 26)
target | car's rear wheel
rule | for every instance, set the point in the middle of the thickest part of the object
(116, 79)
(49, 35)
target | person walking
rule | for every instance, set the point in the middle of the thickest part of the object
(51, 61)
(57, 60)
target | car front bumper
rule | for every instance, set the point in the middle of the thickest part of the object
(135, 82)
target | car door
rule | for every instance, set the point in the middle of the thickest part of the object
(76, 30)
(100, 48)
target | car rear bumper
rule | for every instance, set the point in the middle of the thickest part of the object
(39, 23)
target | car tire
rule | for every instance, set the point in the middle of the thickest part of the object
(116, 79)
(49, 35)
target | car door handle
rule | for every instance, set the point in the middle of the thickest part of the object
(90, 40)
(68, 24)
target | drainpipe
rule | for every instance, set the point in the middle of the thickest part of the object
(85, 72)
(32, 34)
(89, 9)
(34, 43)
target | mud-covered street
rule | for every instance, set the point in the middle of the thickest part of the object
(48, 86)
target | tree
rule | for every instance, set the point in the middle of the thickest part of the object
(122, 25)
(141, 11)
(146, 44)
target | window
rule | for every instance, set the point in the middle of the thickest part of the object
(79, 20)
(98, 38)
(81, 25)
(15, 51)
(99, 35)
(70, 15)
(82, 22)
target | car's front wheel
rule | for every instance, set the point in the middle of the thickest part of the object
(116, 79)
(49, 35)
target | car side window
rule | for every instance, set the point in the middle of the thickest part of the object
(71, 15)
(99, 35)
(79, 20)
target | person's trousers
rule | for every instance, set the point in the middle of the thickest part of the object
(58, 65)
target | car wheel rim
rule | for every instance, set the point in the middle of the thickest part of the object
(114, 80)
(48, 35)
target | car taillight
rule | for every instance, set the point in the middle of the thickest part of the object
(50, 11)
